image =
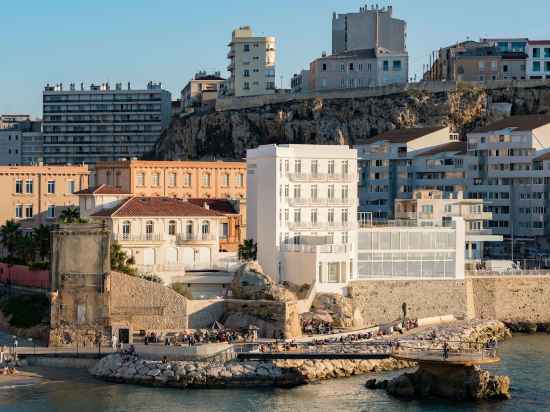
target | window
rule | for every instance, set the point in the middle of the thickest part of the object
(386, 65)
(18, 211)
(330, 193)
(536, 52)
(28, 211)
(297, 215)
(149, 230)
(28, 186)
(189, 229)
(345, 167)
(344, 215)
(206, 180)
(140, 180)
(287, 192)
(287, 166)
(360, 67)
(397, 65)
(351, 67)
(331, 215)
(313, 216)
(51, 212)
(331, 167)
(547, 52)
(342, 68)
(126, 230)
(286, 215)
(225, 180)
(172, 179)
(324, 67)
(246, 47)
(186, 180)
(18, 186)
(345, 238)
(71, 187)
(536, 66)
(205, 230)
(156, 180)
(345, 192)
(313, 192)
(427, 209)
(246, 73)
(246, 86)
(224, 230)
(505, 68)
(493, 65)
(298, 167)
(172, 228)
(51, 186)
(547, 66)
(481, 65)
(314, 167)
(297, 192)
(240, 180)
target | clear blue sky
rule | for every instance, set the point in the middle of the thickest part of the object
(169, 40)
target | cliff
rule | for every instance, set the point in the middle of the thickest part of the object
(340, 120)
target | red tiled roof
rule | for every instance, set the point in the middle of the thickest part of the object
(520, 123)
(157, 207)
(402, 135)
(447, 147)
(219, 205)
(102, 190)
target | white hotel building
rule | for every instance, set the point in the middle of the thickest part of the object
(302, 212)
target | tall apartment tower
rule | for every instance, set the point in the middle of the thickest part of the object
(302, 213)
(368, 29)
(86, 126)
(252, 64)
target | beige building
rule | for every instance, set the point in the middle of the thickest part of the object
(182, 179)
(252, 64)
(431, 208)
(202, 91)
(37, 194)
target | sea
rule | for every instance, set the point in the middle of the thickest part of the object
(525, 358)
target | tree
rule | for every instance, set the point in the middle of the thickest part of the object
(120, 260)
(248, 250)
(9, 235)
(70, 215)
(24, 248)
(41, 241)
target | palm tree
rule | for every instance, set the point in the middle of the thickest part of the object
(41, 241)
(24, 249)
(120, 260)
(248, 250)
(70, 215)
(9, 233)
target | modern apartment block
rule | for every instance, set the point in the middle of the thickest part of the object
(302, 212)
(22, 144)
(510, 172)
(202, 91)
(100, 124)
(38, 194)
(368, 29)
(431, 208)
(394, 164)
(538, 62)
(252, 64)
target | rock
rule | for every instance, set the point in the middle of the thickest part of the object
(340, 309)
(401, 387)
(251, 283)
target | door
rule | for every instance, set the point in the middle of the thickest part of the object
(124, 336)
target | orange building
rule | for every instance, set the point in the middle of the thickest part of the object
(220, 184)
(36, 195)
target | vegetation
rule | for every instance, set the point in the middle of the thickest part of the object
(150, 278)
(182, 289)
(120, 260)
(26, 311)
(248, 250)
(23, 248)
(71, 215)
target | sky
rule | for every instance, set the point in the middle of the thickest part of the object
(93, 41)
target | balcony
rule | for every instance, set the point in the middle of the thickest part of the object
(146, 237)
(317, 249)
(305, 202)
(321, 177)
(195, 237)
(147, 269)
(323, 226)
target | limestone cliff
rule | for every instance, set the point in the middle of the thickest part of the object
(227, 134)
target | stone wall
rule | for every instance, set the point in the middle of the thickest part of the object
(201, 314)
(506, 298)
(381, 301)
(145, 305)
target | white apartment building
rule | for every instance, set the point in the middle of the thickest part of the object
(404, 252)
(165, 236)
(251, 64)
(538, 60)
(394, 164)
(8, 121)
(510, 173)
(302, 212)
(201, 91)
(86, 126)
(431, 208)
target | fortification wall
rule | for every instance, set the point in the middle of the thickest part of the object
(506, 298)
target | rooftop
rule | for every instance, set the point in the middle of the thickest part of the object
(447, 147)
(157, 207)
(539, 42)
(518, 123)
(402, 135)
(224, 206)
(102, 190)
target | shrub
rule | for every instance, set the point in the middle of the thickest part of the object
(26, 311)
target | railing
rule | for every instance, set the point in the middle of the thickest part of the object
(329, 248)
(321, 177)
(297, 202)
(188, 237)
(137, 238)
(334, 226)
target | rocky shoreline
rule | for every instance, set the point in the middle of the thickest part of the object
(278, 373)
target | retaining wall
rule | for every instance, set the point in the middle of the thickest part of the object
(23, 276)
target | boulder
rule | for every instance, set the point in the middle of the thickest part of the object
(340, 309)
(251, 283)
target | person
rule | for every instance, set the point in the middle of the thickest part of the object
(2, 354)
(164, 359)
(114, 342)
(445, 351)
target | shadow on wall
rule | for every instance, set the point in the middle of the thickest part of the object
(203, 313)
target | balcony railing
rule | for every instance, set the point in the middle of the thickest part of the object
(190, 237)
(332, 226)
(146, 237)
(298, 202)
(329, 248)
(321, 177)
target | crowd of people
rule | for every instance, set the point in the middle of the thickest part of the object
(201, 336)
